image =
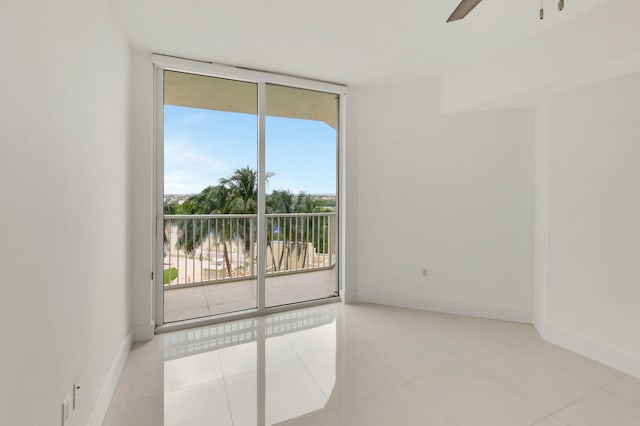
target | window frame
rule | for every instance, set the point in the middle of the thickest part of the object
(261, 78)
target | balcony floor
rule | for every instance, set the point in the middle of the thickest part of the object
(195, 302)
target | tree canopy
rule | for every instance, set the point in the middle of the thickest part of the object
(238, 194)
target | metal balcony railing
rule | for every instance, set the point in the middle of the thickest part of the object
(208, 249)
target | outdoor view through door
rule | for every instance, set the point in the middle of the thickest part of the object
(211, 191)
(301, 134)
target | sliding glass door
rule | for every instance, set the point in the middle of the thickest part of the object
(210, 195)
(301, 141)
(247, 175)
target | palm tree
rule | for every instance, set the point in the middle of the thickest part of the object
(280, 201)
(283, 201)
(168, 210)
(242, 188)
(236, 194)
(304, 203)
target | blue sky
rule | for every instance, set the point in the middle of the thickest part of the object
(201, 146)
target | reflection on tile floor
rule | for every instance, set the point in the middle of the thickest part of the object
(367, 365)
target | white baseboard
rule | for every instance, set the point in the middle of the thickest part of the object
(350, 296)
(144, 332)
(444, 306)
(603, 353)
(110, 382)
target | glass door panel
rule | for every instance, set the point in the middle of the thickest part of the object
(210, 196)
(301, 220)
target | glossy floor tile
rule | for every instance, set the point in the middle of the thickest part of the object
(546, 375)
(351, 365)
(601, 408)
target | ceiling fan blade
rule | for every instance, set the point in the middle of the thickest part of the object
(463, 9)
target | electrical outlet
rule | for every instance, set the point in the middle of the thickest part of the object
(76, 395)
(425, 272)
(66, 409)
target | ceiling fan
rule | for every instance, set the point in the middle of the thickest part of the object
(467, 6)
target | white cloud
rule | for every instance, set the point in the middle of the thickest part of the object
(188, 169)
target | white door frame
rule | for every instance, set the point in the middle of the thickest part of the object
(165, 63)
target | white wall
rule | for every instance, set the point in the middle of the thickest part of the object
(64, 256)
(452, 193)
(142, 164)
(589, 180)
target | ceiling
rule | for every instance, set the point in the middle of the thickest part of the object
(357, 42)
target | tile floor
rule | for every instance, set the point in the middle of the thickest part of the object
(367, 365)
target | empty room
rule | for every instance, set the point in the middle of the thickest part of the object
(245, 213)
